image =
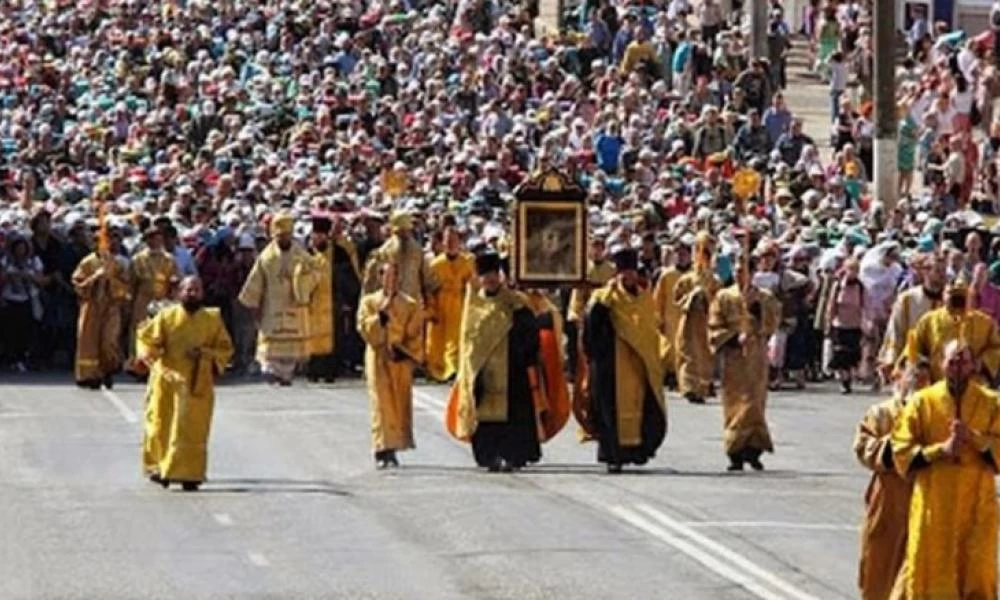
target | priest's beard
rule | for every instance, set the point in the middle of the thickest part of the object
(956, 387)
(191, 306)
(321, 246)
(284, 244)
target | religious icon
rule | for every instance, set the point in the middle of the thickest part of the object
(550, 233)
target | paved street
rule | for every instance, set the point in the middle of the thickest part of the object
(295, 509)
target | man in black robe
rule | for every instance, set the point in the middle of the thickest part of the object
(495, 408)
(622, 342)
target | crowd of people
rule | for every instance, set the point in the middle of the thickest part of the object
(332, 177)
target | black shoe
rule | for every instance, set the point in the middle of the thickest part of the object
(495, 466)
(381, 464)
(694, 398)
(614, 468)
(191, 486)
(755, 463)
(164, 483)
(108, 382)
(392, 460)
(845, 387)
(735, 463)
(155, 478)
(330, 380)
(711, 390)
(312, 379)
(284, 383)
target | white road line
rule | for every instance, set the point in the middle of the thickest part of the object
(725, 553)
(770, 525)
(258, 559)
(692, 551)
(123, 410)
(426, 407)
(223, 519)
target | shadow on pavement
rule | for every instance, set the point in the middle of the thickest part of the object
(273, 486)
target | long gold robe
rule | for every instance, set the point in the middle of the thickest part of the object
(951, 546)
(98, 347)
(416, 279)
(445, 313)
(743, 368)
(388, 374)
(486, 323)
(627, 371)
(887, 503)
(315, 280)
(669, 310)
(938, 327)
(181, 393)
(152, 274)
(279, 286)
(693, 294)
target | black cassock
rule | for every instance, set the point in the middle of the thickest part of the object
(599, 341)
(515, 441)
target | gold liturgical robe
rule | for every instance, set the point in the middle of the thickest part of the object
(394, 345)
(693, 294)
(102, 297)
(486, 323)
(951, 546)
(743, 368)
(445, 312)
(280, 285)
(669, 310)
(416, 279)
(181, 392)
(887, 503)
(315, 282)
(638, 356)
(938, 327)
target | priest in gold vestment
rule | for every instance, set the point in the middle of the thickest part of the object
(153, 276)
(946, 440)
(278, 290)
(624, 353)
(667, 305)
(453, 269)
(693, 294)
(953, 321)
(102, 286)
(742, 319)
(187, 347)
(318, 276)
(391, 324)
(492, 403)
(416, 279)
(887, 498)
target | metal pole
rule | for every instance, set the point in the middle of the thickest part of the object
(756, 11)
(886, 119)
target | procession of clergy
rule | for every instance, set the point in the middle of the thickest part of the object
(931, 526)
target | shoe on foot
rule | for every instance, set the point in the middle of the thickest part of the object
(755, 464)
(614, 468)
(735, 463)
(495, 466)
(155, 478)
(191, 486)
(845, 387)
(392, 460)
(694, 398)
(108, 382)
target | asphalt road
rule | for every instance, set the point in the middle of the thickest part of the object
(295, 509)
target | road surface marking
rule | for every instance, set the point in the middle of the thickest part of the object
(123, 410)
(770, 525)
(424, 406)
(725, 553)
(223, 519)
(258, 559)
(710, 562)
